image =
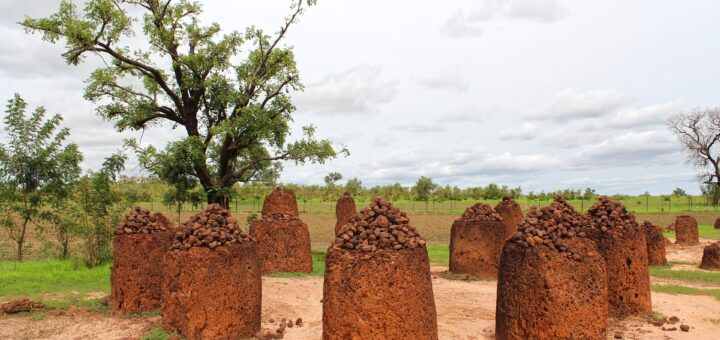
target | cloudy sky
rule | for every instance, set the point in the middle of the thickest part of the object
(542, 94)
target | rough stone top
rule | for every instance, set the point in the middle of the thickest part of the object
(507, 201)
(480, 212)
(141, 221)
(650, 225)
(714, 246)
(279, 217)
(213, 227)
(376, 227)
(607, 214)
(550, 227)
(280, 201)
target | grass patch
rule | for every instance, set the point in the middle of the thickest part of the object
(37, 316)
(682, 290)
(158, 333)
(657, 316)
(706, 231)
(439, 254)
(33, 279)
(686, 275)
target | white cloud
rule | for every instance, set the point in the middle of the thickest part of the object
(460, 25)
(452, 79)
(645, 116)
(538, 10)
(421, 127)
(571, 104)
(526, 131)
(630, 149)
(463, 24)
(355, 91)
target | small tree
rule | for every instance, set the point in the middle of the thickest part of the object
(99, 208)
(330, 180)
(32, 164)
(698, 132)
(229, 93)
(354, 186)
(60, 190)
(423, 190)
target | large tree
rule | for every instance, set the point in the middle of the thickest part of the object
(230, 93)
(32, 163)
(699, 134)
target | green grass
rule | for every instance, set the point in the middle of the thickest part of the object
(686, 275)
(706, 231)
(33, 279)
(439, 254)
(158, 333)
(676, 289)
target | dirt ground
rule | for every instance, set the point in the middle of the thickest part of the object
(466, 310)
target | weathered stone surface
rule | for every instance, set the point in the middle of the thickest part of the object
(655, 244)
(345, 210)
(136, 274)
(622, 244)
(280, 201)
(283, 244)
(544, 294)
(711, 257)
(686, 231)
(476, 241)
(377, 279)
(511, 214)
(212, 293)
(384, 294)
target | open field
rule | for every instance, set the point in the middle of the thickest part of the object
(434, 227)
(637, 204)
(466, 307)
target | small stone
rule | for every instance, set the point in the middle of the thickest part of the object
(673, 319)
(299, 322)
(618, 335)
(685, 328)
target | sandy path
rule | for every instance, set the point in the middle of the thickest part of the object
(466, 310)
(76, 324)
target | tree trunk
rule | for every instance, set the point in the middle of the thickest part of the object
(222, 199)
(64, 240)
(21, 240)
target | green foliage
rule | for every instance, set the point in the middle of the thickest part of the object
(423, 188)
(35, 164)
(98, 208)
(230, 93)
(678, 192)
(354, 186)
